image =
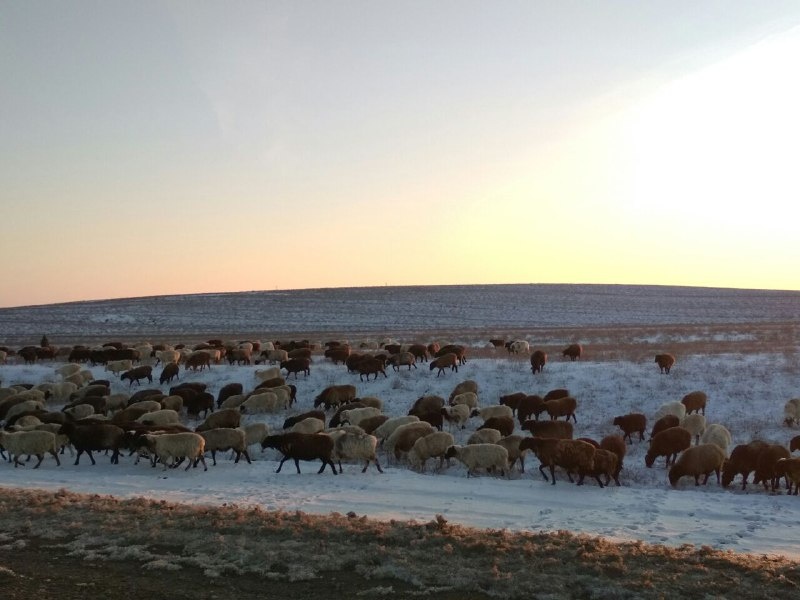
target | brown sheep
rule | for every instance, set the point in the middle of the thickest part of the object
(589, 441)
(498, 343)
(505, 425)
(297, 365)
(302, 446)
(404, 437)
(632, 423)
(664, 423)
(169, 373)
(765, 465)
(93, 438)
(427, 404)
(419, 351)
(513, 400)
(370, 366)
(570, 455)
(335, 395)
(530, 405)
(228, 390)
(695, 402)
(312, 414)
(556, 393)
(433, 348)
(352, 361)
(794, 443)
(668, 443)
(605, 463)
(402, 359)
(142, 372)
(698, 460)
(468, 385)
(789, 468)
(227, 418)
(370, 424)
(573, 351)
(197, 360)
(665, 362)
(538, 360)
(459, 351)
(300, 353)
(338, 354)
(549, 429)
(616, 445)
(743, 461)
(444, 361)
(240, 356)
(562, 407)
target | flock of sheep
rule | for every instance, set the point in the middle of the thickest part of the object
(76, 412)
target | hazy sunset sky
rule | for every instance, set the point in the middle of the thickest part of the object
(177, 147)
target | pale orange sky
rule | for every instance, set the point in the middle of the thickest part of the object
(167, 148)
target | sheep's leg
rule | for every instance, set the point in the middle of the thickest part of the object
(569, 476)
(55, 455)
(697, 479)
(541, 470)
(214, 457)
(553, 473)
(280, 465)
(600, 483)
(89, 452)
(297, 465)
(328, 462)
(247, 456)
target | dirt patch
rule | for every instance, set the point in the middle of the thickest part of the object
(62, 544)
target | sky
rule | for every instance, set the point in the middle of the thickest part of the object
(155, 148)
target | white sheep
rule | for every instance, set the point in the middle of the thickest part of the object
(255, 433)
(495, 410)
(226, 439)
(164, 416)
(406, 433)
(371, 401)
(86, 375)
(80, 411)
(26, 423)
(177, 446)
(467, 398)
(26, 406)
(119, 366)
(7, 392)
(387, 428)
(277, 356)
(60, 392)
(791, 411)
(480, 456)
(671, 408)
(68, 369)
(310, 425)
(167, 356)
(172, 402)
(694, 424)
(519, 347)
(354, 416)
(485, 436)
(34, 443)
(267, 346)
(148, 405)
(511, 444)
(75, 378)
(268, 373)
(717, 434)
(265, 402)
(431, 446)
(234, 401)
(115, 402)
(355, 446)
(214, 354)
(457, 415)
(23, 395)
(284, 394)
(62, 440)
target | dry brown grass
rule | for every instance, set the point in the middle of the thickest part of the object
(427, 557)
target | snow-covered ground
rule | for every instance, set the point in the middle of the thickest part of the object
(746, 394)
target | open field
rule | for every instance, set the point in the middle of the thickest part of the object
(745, 538)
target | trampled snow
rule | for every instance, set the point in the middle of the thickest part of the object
(746, 394)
